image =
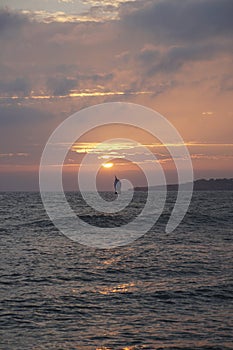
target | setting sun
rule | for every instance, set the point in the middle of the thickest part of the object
(107, 165)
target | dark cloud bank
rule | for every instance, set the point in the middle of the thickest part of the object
(11, 21)
(183, 20)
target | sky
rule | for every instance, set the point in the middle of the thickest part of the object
(60, 56)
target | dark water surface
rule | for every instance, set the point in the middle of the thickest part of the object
(164, 291)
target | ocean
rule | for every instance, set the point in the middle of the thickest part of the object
(163, 291)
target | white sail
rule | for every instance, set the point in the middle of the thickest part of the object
(117, 186)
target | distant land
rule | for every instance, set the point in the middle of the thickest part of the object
(198, 185)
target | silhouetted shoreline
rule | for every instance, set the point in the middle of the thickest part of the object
(198, 185)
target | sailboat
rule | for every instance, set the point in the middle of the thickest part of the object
(117, 186)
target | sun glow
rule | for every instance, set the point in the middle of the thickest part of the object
(107, 165)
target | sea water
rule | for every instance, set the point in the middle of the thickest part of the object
(163, 291)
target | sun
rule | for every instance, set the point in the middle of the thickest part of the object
(107, 165)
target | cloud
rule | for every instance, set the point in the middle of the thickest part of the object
(122, 61)
(98, 77)
(226, 83)
(61, 86)
(175, 20)
(13, 155)
(19, 86)
(23, 132)
(95, 79)
(115, 3)
(58, 16)
(173, 59)
(11, 22)
(16, 116)
(73, 11)
(66, 1)
(107, 9)
(149, 54)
